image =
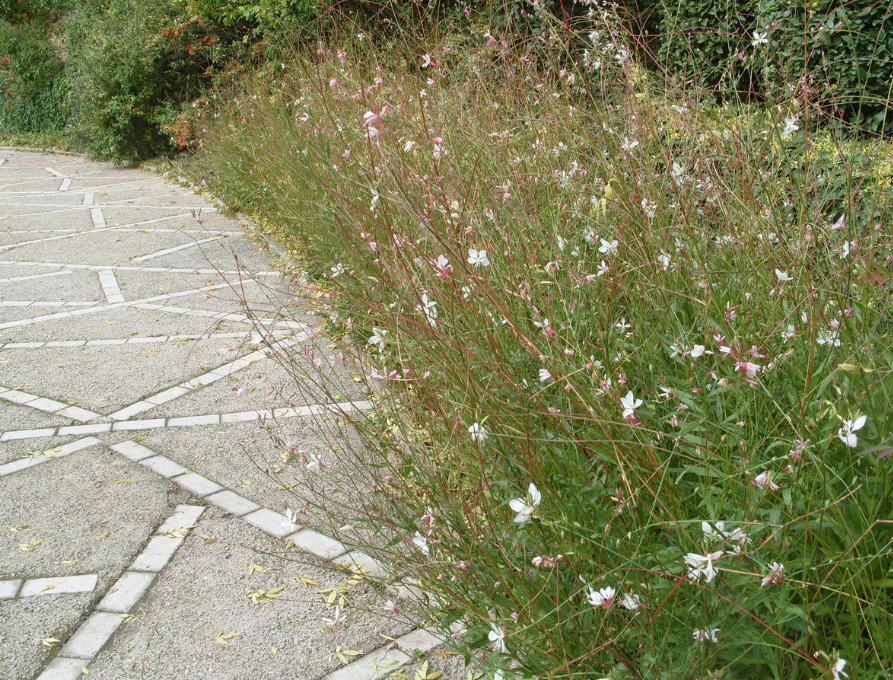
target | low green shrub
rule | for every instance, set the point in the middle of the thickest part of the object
(635, 351)
(133, 65)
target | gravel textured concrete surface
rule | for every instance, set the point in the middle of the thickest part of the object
(150, 448)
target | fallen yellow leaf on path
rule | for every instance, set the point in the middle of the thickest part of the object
(224, 638)
(306, 582)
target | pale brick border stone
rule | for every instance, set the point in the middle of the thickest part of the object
(92, 428)
(24, 463)
(163, 466)
(149, 424)
(85, 583)
(356, 559)
(133, 451)
(197, 485)
(421, 640)
(92, 635)
(8, 589)
(126, 592)
(377, 664)
(62, 668)
(156, 554)
(271, 522)
(318, 544)
(185, 516)
(233, 502)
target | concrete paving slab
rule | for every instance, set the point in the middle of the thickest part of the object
(16, 417)
(40, 447)
(206, 590)
(96, 247)
(137, 285)
(45, 504)
(26, 622)
(105, 377)
(116, 323)
(78, 286)
(75, 218)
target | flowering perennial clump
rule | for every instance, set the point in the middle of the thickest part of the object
(674, 318)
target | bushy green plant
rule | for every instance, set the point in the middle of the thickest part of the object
(133, 65)
(33, 84)
(636, 352)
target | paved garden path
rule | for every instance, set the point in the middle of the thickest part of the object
(142, 488)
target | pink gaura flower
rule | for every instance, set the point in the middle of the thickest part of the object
(748, 367)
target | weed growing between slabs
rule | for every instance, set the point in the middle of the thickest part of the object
(632, 352)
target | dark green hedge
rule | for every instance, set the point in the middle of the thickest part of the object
(837, 55)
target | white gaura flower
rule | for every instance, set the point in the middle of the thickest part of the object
(410, 146)
(608, 247)
(649, 207)
(442, 266)
(602, 269)
(783, 276)
(421, 543)
(830, 338)
(378, 338)
(426, 60)
(291, 519)
(478, 432)
(603, 597)
(337, 270)
(497, 638)
(790, 126)
(697, 351)
(429, 309)
(338, 617)
(630, 404)
(525, 507)
(545, 375)
(847, 433)
(702, 565)
(706, 635)
(715, 530)
(764, 481)
(760, 38)
(631, 601)
(837, 669)
(478, 258)
(314, 464)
